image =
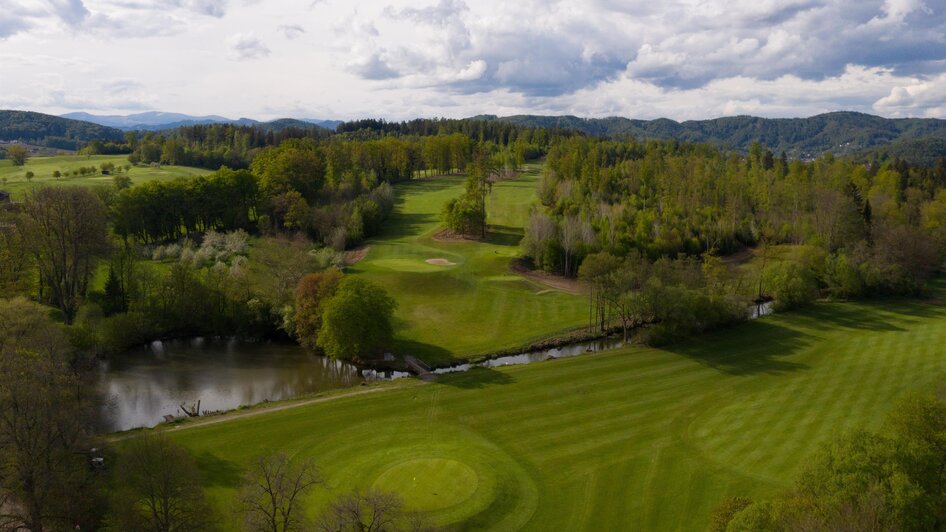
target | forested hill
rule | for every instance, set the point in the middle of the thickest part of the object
(923, 151)
(841, 132)
(52, 131)
(160, 121)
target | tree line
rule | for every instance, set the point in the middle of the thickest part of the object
(867, 229)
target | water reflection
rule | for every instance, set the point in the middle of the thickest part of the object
(143, 386)
(538, 356)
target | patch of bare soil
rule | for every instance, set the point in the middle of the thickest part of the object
(446, 235)
(565, 284)
(934, 301)
(738, 257)
(509, 175)
(354, 256)
(440, 262)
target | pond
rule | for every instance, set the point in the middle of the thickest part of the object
(143, 386)
(146, 384)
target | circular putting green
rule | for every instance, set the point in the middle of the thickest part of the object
(429, 484)
(452, 476)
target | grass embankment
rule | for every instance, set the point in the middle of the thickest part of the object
(633, 439)
(475, 305)
(43, 168)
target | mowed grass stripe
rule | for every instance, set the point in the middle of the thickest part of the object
(647, 439)
(477, 306)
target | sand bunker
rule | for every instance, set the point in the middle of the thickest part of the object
(440, 262)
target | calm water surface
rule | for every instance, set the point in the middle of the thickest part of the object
(144, 385)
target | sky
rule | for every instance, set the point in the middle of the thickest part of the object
(394, 59)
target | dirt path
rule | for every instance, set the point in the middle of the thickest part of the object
(565, 284)
(738, 257)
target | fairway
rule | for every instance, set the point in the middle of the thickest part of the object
(43, 168)
(632, 439)
(458, 298)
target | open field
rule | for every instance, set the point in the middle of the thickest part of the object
(43, 168)
(470, 302)
(632, 439)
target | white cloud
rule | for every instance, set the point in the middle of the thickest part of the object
(924, 98)
(401, 58)
(246, 46)
(292, 31)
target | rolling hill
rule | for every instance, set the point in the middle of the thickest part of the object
(842, 133)
(158, 121)
(52, 131)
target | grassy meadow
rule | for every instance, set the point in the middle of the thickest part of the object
(43, 168)
(631, 439)
(475, 305)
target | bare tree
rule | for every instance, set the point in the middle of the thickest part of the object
(272, 492)
(373, 511)
(158, 489)
(65, 228)
(575, 233)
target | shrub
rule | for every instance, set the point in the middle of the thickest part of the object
(791, 284)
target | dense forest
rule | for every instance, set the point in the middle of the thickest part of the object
(865, 136)
(235, 146)
(611, 209)
(842, 133)
(52, 131)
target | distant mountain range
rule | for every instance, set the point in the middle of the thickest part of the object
(842, 133)
(919, 140)
(157, 121)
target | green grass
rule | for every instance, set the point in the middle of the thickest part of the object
(477, 306)
(43, 168)
(632, 439)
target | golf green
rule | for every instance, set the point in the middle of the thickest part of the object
(459, 298)
(630, 439)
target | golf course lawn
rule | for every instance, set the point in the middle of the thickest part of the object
(43, 168)
(631, 439)
(475, 305)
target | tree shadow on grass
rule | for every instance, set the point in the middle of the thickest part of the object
(217, 471)
(476, 378)
(504, 235)
(824, 317)
(405, 224)
(433, 355)
(748, 349)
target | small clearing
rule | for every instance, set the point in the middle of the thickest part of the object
(440, 262)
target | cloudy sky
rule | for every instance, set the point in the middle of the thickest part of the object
(682, 59)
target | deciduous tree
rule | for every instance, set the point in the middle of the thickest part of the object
(311, 297)
(356, 322)
(18, 154)
(272, 494)
(158, 488)
(46, 418)
(65, 231)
